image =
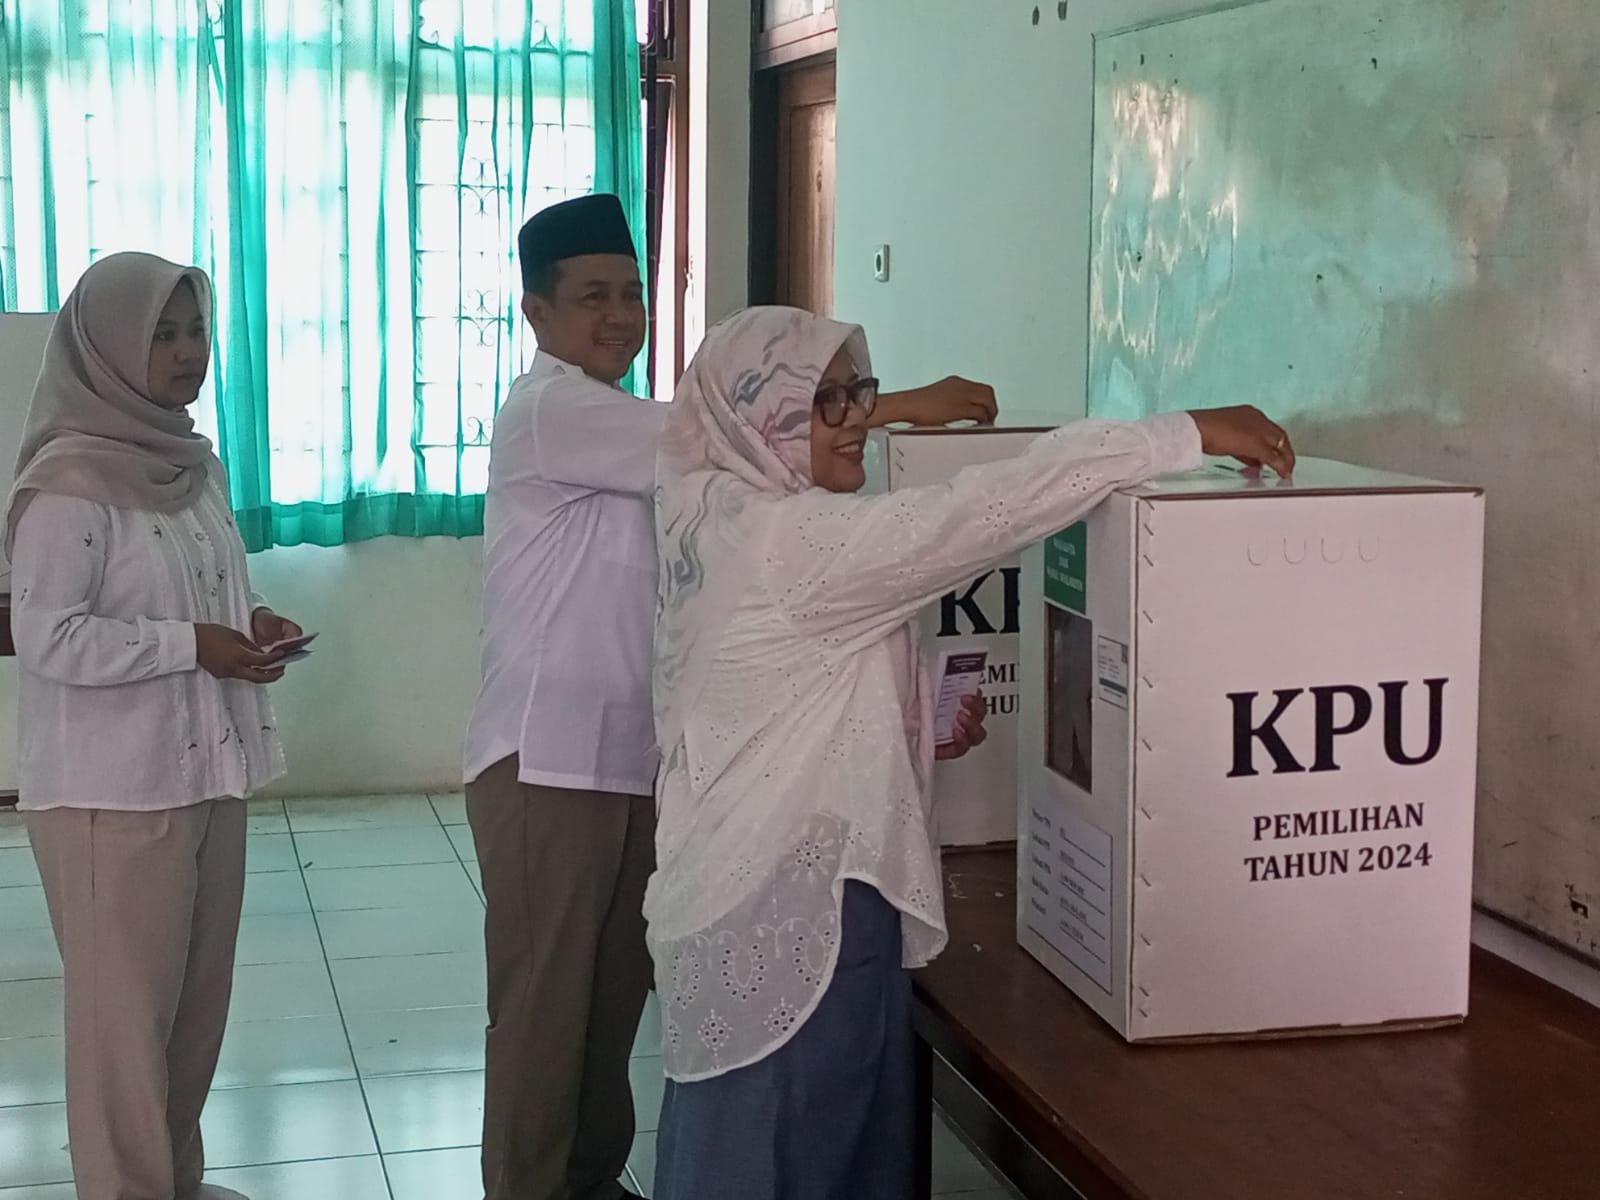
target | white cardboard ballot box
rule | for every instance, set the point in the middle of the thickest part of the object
(975, 797)
(1247, 753)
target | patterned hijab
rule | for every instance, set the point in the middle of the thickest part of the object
(739, 433)
(93, 431)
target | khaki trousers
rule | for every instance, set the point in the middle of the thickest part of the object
(145, 908)
(564, 874)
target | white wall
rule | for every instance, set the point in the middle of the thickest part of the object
(22, 341)
(963, 143)
(382, 703)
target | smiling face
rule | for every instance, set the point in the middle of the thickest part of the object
(591, 315)
(837, 453)
(180, 352)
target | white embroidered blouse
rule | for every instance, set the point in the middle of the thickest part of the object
(114, 712)
(817, 683)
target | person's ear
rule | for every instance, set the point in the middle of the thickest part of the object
(535, 308)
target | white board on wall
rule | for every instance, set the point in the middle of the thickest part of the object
(22, 339)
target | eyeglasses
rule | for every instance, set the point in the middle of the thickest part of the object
(835, 400)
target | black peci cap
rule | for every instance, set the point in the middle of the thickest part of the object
(587, 225)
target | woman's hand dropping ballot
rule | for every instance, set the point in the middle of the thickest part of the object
(1247, 434)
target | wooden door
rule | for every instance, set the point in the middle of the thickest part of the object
(805, 186)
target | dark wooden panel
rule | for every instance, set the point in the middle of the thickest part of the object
(764, 173)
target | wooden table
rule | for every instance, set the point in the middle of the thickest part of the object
(1506, 1106)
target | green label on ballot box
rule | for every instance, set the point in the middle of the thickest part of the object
(1066, 569)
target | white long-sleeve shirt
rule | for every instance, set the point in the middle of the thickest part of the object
(807, 758)
(569, 585)
(114, 712)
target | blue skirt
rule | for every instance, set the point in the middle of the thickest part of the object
(828, 1116)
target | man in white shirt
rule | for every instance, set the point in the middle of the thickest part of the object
(561, 757)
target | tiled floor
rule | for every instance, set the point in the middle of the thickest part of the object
(353, 1068)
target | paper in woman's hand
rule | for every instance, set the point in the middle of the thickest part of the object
(289, 650)
(960, 676)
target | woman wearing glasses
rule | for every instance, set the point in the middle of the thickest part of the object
(797, 877)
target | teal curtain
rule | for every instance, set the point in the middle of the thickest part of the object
(353, 175)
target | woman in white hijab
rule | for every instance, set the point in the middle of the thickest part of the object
(142, 722)
(797, 875)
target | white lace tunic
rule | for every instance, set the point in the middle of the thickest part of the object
(806, 760)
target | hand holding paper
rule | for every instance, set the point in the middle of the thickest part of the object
(970, 731)
(959, 710)
(290, 649)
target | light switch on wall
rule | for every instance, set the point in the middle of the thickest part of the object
(880, 264)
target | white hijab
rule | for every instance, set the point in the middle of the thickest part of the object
(93, 432)
(740, 429)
